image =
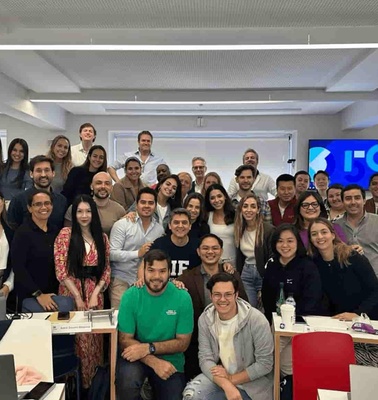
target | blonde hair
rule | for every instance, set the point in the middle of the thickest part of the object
(67, 160)
(240, 224)
(341, 250)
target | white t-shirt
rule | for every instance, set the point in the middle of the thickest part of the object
(226, 233)
(247, 246)
(226, 331)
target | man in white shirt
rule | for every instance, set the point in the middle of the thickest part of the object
(235, 347)
(130, 241)
(80, 151)
(199, 170)
(263, 183)
(149, 160)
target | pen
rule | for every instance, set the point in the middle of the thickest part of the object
(48, 317)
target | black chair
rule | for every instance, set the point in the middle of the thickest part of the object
(65, 361)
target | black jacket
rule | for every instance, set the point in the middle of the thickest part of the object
(352, 288)
(300, 277)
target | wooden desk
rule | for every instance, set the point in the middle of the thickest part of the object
(57, 394)
(332, 395)
(315, 324)
(99, 325)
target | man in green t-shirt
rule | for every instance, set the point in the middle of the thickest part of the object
(155, 324)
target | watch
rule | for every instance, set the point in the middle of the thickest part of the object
(152, 348)
(37, 293)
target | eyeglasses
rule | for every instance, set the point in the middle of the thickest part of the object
(40, 204)
(198, 167)
(227, 296)
(306, 206)
(207, 249)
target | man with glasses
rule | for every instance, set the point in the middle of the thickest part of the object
(235, 347)
(148, 159)
(210, 252)
(42, 174)
(199, 170)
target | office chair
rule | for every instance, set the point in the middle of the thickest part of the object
(65, 361)
(321, 361)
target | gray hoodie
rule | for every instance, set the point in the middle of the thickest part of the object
(253, 344)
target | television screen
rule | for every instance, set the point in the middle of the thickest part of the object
(346, 160)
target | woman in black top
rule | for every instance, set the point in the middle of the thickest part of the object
(195, 204)
(295, 270)
(348, 279)
(32, 253)
(80, 178)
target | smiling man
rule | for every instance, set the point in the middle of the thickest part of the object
(155, 324)
(80, 151)
(359, 226)
(109, 210)
(235, 347)
(149, 160)
(302, 182)
(210, 252)
(181, 249)
(130, 241)
(42, 174)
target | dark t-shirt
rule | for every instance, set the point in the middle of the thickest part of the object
(182, 257)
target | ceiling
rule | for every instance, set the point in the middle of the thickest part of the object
(41, 83)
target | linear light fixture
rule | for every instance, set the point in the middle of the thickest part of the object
(199, 102)
(215, 47)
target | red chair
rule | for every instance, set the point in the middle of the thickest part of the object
(321, 361)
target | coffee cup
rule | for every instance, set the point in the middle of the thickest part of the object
(287, 314)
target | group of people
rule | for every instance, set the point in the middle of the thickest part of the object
(69, 230)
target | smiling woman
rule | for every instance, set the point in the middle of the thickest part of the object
(79, 179)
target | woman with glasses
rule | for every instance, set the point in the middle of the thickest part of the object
(83, 269)
(32, 253)
(6, 237)
(335, 204)
(126, 190)
(221, 217)
(80, 178)
(310, 206)
(15, 177)
(252, 239)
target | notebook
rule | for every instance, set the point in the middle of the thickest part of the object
(363, 382)
(8, 385)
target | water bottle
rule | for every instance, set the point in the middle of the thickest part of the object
(290, 300)
(281, 299)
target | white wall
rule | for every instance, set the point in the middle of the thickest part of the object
(307, 127)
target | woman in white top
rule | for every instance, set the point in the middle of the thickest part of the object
(6, 236)
(221, 219)
(168, 198)
(252, 239)
(60, 152)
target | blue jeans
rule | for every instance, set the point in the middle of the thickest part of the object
(201, 388)
(131, 375)
(252, 282)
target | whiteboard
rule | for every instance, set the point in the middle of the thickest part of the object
(222, 151)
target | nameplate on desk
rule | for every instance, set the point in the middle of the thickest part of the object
(72, 327)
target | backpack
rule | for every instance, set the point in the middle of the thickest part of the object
(100, 386)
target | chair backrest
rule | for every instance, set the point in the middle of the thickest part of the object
(321, 361)
(64, 303)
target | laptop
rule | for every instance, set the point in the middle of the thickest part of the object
(8, 385)
(363, 382)
(3, 308)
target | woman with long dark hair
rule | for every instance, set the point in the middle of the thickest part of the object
(15, 176)
(310, 206)
(60, 153)
(221, 219)
(80, 178)
(252, 240)
(83, 269)
(195, 204)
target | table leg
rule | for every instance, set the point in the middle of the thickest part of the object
(277, 366)
(113, 360)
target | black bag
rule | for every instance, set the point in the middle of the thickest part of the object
(100, 386)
